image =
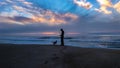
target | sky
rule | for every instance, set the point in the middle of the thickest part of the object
(35, 17)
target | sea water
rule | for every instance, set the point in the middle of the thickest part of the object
(89, 41)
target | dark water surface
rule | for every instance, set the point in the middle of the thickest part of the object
(100, 41)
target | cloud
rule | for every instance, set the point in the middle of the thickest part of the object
(27, 13)
(48, 17)
(83, 3)
(104, 4)
(9, 1)
(117, 6)
(25, 2)
(8, 20)
(2, 3)
(54, 19)
(7, 28)
(19, 8)
(20, 19)
(23, 16)
(104, 10)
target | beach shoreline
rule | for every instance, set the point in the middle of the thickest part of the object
(49, 56)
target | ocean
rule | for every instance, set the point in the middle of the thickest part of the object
(89, 41)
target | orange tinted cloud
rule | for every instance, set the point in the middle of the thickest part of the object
(54, 19)
(117, 6)
(35, 14)
(104, 10)
(48, 17)
(50, 21)
(104, 4)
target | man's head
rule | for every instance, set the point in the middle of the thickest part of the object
(61, 29)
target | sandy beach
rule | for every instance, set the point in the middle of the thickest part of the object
(49, 56)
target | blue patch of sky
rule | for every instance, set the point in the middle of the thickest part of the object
(61, 6)
(115, 1)
(94, 3)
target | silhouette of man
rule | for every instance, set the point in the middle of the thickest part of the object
(62, 37)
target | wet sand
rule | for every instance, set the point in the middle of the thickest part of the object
(49, 56)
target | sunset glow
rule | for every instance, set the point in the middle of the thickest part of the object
(79, 16)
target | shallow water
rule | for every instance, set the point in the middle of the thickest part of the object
(100, 41)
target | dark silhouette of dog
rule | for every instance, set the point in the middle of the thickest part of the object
(55, 42)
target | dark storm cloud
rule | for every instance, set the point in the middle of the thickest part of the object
(20, 18)
(15, 28)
